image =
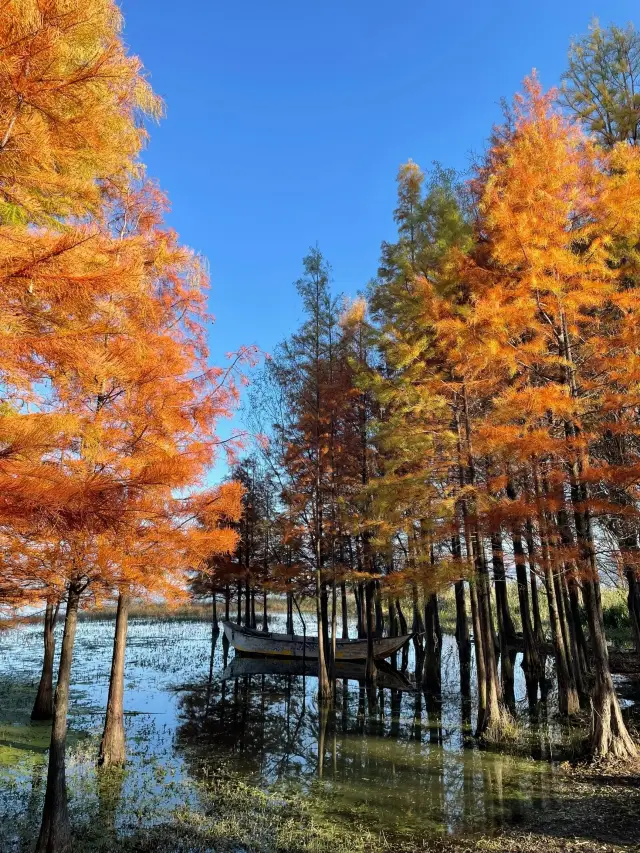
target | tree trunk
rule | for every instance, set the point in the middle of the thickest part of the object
(571, 640)
(370, 669)
(432, 674)
(633, 602)
(463, 638)
(239, 618)
(402, 619)
(393, 619)
(112, 747)
(55, 830)
(490, 709)
(227, 599)
(43, 706)
(493, 716)
(325, 694)
(247, 606)
(538, 630)
(480, 665)
(379, 610)
(265, 621)
(568, 700)
(507, 664)
(334, 625)
(417, 625)
(574, 602)
(403, 631)
(358, 594)
(215, 628)
(506, 627)
(324, 601)
(609, 736)
(324, 687)
(290, 613)
(345, 614)
(567, 590)
(531, 658)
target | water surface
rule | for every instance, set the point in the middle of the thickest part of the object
(401, 760)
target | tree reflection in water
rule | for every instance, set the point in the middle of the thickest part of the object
(399, 755)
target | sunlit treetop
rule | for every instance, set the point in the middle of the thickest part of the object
(72, 106)
(602, 83)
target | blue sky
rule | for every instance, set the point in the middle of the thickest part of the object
(287, 120)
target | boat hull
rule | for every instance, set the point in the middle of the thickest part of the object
(265, 643)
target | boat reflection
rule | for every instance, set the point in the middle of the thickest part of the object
(387, 677)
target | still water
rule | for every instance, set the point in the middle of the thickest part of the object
(399, 759)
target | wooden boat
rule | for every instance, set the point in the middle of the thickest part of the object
(253, 642)
(242, 666)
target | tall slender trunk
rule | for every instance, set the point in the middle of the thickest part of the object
(324, 688)
(569, 612)
(628, 541)
(265, 620)
(575, 658)
(289, 613)
(334, 624)
(379, 611)
(239, 617)
(505, 621)
(112, 747)
(417, 625)
(55, 829)
(493, 712)
(324, 601)
(215, 628)
(227, 600)
(43, 705)
(358, 594)
(490, 709)
(393, 618)
(404, 630)
(568, 629)
(538, 630)
(478, 644)
(370, 669)
(633, 602)
(568, 700)
(463, 638)
(531, 659)
(345, 613)
(432, 675)
(247, 605)
(574, 603)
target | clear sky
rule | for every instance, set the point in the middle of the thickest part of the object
(287, 120)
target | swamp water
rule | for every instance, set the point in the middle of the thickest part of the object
(398, 762)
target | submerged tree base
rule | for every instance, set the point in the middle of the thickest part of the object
(610, 739)
(502, 729)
